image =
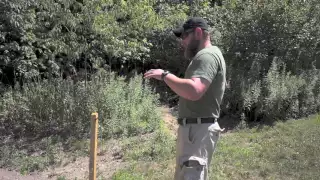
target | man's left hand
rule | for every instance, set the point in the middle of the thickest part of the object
(154, 73)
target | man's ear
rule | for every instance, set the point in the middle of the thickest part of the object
(198, 33)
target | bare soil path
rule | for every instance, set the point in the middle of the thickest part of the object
(108, 161)
(13, 175)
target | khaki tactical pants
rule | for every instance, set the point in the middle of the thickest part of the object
(195, 145)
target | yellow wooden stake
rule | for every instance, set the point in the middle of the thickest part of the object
(93, 147)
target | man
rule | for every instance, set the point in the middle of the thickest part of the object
(201, 92)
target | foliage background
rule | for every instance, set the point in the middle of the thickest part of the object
(52, 51)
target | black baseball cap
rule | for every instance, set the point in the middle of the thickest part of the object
(190, 24)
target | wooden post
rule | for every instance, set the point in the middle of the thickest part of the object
(93, 147)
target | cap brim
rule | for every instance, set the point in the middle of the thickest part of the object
(178, 32)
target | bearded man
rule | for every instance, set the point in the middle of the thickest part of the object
(200, 94)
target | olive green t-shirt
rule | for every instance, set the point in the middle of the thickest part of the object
(208, 63)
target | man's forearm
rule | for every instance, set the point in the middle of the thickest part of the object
(182, 87)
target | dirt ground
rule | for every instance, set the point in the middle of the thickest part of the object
(12, 175)
(108, 161)
(170, 119)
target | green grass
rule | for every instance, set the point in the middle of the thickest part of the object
(61, 178)
(157, 146)
(288, 150)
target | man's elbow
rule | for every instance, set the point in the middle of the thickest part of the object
(199, 88)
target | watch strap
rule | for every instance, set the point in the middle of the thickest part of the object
(164, 74)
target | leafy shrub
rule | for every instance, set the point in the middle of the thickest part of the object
(59, 107)
(309, 98)
(127, 108)
(282, 91)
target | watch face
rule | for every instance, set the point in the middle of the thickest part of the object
(164, 74)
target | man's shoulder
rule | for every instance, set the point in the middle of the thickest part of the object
(211, 52)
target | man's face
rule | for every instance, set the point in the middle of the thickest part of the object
(190, 44)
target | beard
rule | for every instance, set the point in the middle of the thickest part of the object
(192, 49)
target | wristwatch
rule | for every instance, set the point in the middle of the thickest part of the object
(164, 74)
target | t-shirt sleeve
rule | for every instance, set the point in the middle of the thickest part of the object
(205, 66)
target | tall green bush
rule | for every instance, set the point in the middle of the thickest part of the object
(62, 108)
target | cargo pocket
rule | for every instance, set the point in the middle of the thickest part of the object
(193, 170)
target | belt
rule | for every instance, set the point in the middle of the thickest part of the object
(184, 121)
